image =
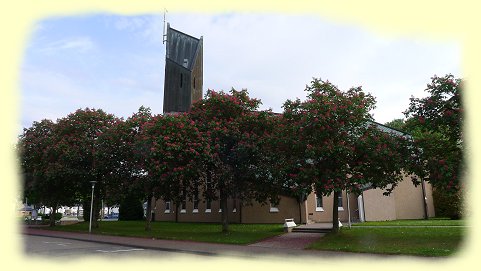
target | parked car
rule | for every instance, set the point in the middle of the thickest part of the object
(112, 216)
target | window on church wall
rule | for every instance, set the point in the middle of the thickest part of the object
(196, 202)
(183, 204)
(167, 207)
(339, 205)
(319, 203)
(208, 188)
(181, 79)
(208, 206)
(273, 208)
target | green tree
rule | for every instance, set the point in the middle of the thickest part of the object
(141, 179)
(398, 124)
(131, 208)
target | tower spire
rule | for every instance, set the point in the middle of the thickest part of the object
(164, 36)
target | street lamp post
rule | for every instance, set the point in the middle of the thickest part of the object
(91, 205)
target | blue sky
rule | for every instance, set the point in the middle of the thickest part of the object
(116, 63)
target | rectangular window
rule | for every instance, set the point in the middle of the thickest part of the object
(208, 206)
(167, 207)
(196, 202)
(183, 204)
(181, 79)
(273, 208)
(319, 207)
(208, 188)
(339, 205)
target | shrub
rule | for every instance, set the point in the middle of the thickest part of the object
(447, 204)
(131, 208)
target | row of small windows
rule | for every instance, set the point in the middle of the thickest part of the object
(195, 209)
(208, 205)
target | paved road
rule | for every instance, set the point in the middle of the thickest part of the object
(286, 246)
(53, 247)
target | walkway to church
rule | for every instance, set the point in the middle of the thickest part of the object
(295, 240)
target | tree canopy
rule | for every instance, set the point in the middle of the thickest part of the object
(338, 146)
(226, 148)
(436, 123)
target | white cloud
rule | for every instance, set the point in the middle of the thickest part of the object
(78, 44)
(147, 27)
(130, 23)
(273, 56)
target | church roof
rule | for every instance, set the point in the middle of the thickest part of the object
(181, 48)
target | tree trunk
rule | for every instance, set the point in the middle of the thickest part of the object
(425, 204)
(52, 216)
(224, 215)
(177, 212)
(148, 214)
(300, 212)
(335, 212)
(240, 212)
(95, 215)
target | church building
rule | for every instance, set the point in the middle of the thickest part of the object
(183, 86)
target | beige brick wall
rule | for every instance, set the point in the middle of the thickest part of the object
(325, 215)
(405, 202)
(378, 207)
(409, 200)
(258, 213)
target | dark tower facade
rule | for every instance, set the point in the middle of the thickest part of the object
(183, 71)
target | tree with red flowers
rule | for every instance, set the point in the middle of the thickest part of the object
(122, 152)
(43, 175)
(175, 150)
(334, 145)
(436, 123)
(75, 147)
(233, 131)
(59, 158)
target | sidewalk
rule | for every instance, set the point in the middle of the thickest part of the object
(286, 245)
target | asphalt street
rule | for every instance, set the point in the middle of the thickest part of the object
(48, 243)
(52, 247)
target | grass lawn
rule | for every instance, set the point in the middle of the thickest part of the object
(203, 232)
(421, 241)
(415, 222)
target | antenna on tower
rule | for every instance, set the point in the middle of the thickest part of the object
(164, 36)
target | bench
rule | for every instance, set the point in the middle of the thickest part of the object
(289, 224)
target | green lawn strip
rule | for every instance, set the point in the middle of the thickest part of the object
(203, 232)
(414, 222)
(406, 241)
